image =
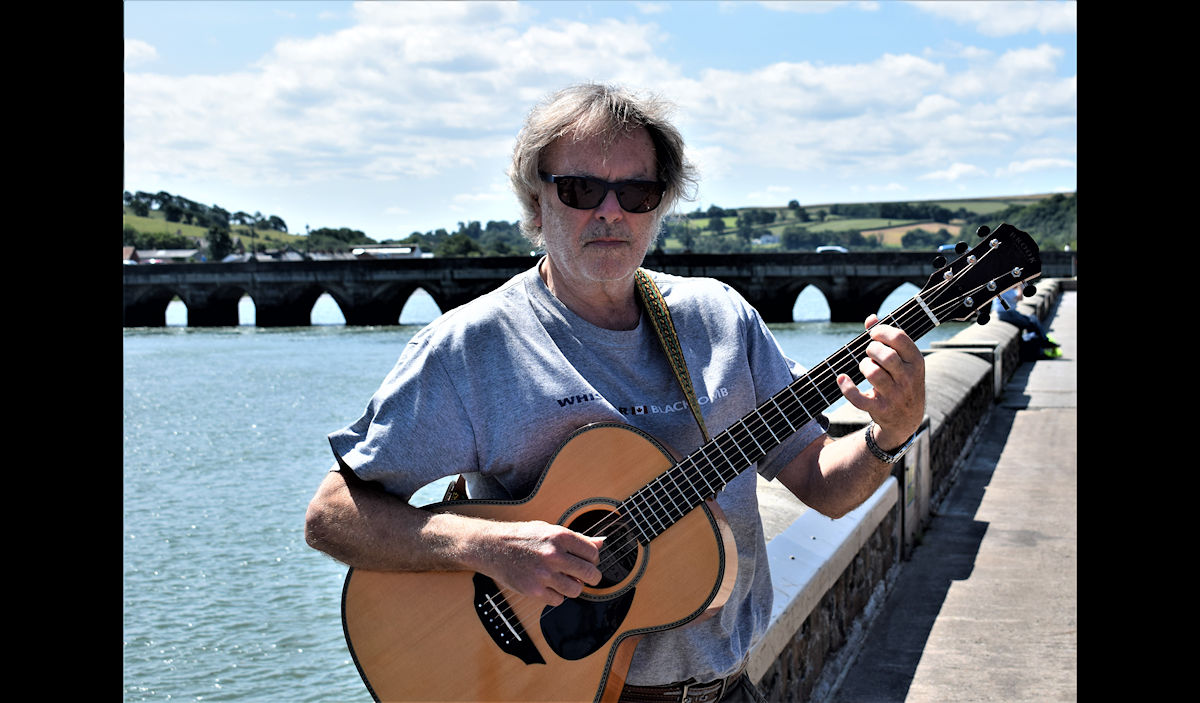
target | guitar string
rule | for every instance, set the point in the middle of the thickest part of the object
(904, 317)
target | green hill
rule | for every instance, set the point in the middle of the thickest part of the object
(165, 221)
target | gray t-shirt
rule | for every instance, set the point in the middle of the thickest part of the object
(492, 389)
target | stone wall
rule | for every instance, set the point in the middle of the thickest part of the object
(798, 668)
(829, 575)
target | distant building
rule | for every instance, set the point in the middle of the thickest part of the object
(167, 256)
(391, 251)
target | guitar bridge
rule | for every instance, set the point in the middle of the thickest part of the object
(501, 623)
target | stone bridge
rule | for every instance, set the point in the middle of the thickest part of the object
(374, 291)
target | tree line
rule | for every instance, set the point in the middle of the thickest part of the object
(1051, 221)
(176, 208)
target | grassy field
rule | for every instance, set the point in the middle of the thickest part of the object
(890, 230)
(156, 223)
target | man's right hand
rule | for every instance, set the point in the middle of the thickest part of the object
(362, 526)
(545, 562)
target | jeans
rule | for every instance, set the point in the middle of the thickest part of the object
(743, 691)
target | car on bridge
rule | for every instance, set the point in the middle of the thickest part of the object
(832, 249)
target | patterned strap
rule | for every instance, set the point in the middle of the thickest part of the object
(652, 301)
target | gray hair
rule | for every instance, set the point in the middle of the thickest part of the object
(596, 110)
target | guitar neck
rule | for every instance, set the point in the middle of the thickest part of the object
(705, 472)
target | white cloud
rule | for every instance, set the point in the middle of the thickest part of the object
(1030, 165)
(999, 19)
(138, 53)
(652, 8)
(815, 6)
(931, 105)
(413, 89)
(954, 172)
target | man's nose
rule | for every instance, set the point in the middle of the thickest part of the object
(609, 209)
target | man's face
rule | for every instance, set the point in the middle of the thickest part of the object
(606, 243)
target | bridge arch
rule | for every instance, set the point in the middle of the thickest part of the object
(865, 299)
(149, 307)
(371, 305)
(214, 307)
(287, 306)
(805, 306)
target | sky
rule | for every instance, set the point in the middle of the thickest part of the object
(400, 117)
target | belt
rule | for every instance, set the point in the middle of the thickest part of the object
(686, 692)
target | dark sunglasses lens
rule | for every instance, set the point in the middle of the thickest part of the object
(580, 193)
(639, 197)
(586, 193)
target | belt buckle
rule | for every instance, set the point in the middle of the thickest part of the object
(683, 696)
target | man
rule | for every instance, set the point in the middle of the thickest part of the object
(491, 390)
(1035, 343)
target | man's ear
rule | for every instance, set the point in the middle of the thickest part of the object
(537, 211)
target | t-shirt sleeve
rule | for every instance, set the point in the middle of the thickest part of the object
(773, 370)
(414, 430)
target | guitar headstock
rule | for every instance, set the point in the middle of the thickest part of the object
(1005, 258)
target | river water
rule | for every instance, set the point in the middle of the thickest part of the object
(224, 444)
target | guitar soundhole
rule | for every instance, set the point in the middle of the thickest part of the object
(618, 556)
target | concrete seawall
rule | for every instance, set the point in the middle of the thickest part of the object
(831, 575)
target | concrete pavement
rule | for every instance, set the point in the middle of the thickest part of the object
(986, 608)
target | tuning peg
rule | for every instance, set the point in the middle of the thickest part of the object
(960, 248)
(1028, 290)
(983, 231)
(983, 318)
(939, 261)
(1004, 304)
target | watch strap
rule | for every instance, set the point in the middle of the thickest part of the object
(887, 457)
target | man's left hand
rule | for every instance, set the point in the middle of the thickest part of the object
(895, 368)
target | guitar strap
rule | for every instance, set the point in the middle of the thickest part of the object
(660, 318)
(656, 308)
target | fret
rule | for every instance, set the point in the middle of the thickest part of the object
(665, 489)
(716, 444)
(768, 426)
(814, 385)
(687, 476)
(792, 427)
(627, 508)
(732, 469)
(649, 494)
(682, 493)
(755, 440)
(671, 489)
(792, 389)
(783, 415)
(704, 478)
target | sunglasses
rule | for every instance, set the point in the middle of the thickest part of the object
(586, 193)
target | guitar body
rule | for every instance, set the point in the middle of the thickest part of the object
(454, 636)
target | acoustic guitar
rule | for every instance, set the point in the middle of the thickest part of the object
(668, 557)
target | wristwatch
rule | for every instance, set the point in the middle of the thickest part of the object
(888, 457)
